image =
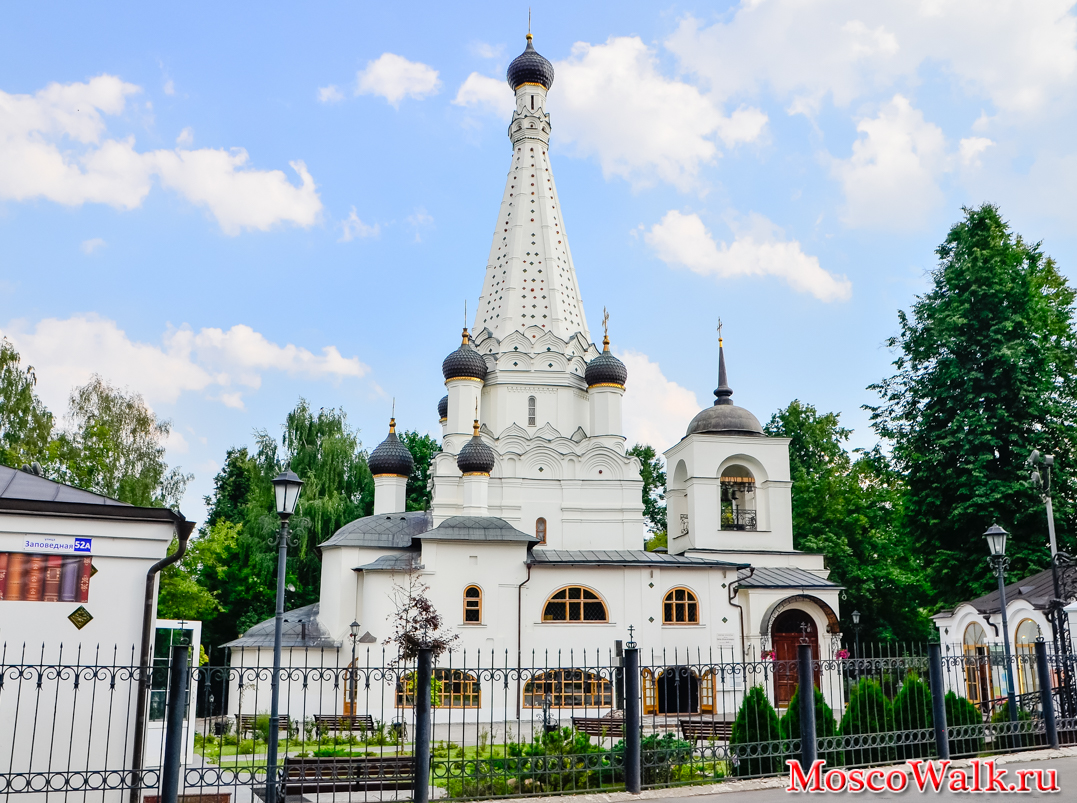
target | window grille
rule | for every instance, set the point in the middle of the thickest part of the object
(575, 604)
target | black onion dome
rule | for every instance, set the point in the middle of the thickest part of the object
(530, 68)
(464, 363)
(476, 457)
(724, 417)
(605, 369)
(391, 456)
(443, 408)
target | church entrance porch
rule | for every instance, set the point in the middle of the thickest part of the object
(791, 629)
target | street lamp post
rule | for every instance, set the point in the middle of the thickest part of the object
(1056, 612)
(286, 488)
(856, 628)
(354, 629)
(996, 542)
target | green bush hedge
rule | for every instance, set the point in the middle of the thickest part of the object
(868, 722)
(826, 726)
(756, 739)
(960, 713)
(912, 712)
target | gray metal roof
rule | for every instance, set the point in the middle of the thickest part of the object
(18, 484)
(476, 528)
(1038, 589)
(385, 530)
(404, 562)
(785, 577)
(620, 557)
(301, 629)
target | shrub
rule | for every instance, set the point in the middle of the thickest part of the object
(1013, 737)
(966, 717)
(229, 739)
(245, 747)
(662, 758)
(868, 725)
(826, 726)
(755, 741)
(912, 716)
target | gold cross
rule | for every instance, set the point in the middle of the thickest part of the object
(605, 322)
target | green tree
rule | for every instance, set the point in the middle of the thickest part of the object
(422, 448)
(912, 714)
(652, 470)
(966, 726)
(826, 726)
(755, 739)
(849, 507)
(868, 715)
(25, 423)
(231, 488)
(115, 446)
(984, 374)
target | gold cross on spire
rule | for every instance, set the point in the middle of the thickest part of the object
(719, 332)
(605, 322)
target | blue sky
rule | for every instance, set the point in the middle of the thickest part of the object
(227, 207)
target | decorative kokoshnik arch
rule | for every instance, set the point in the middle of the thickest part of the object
(832, 625)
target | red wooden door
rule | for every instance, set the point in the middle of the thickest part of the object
(789, 630)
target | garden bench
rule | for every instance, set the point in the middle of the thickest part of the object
(599, 726)
(344, 722)
(697, 730)
(246, 723)
(347, 774)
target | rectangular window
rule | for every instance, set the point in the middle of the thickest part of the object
(531, 412)
(30, 577)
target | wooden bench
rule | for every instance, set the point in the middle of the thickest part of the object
(347, 773)
(344, 722)
(246, 723)
(599, 726)
(698, 730)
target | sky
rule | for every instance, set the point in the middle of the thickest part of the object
(227, 207)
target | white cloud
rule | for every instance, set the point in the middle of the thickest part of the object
(890, 179)
(484, 50)
(419, 219)
(66, 352)
(394, 78)
(89, 246)
(758, 250)
(1021, 55)
(176, 442)
(656, 410)
(485, 94)
(53, 146)
(354, 227)
(186, 137)
(616, 105)
(330, 94)
(971, 148)
(170, 87)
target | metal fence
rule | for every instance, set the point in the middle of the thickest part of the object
(500, 725)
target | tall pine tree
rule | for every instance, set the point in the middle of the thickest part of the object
(984, 374)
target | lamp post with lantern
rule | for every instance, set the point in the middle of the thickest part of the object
(856, 629)
(286, 487)
(353, 631)
(996, 543)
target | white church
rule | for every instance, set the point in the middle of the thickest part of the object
(533, 543)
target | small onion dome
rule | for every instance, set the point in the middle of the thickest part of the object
(464, 363)
(530, 68)
(605, 370)
(391, 457)
(443, 408)
(476, 457)
(724, 417)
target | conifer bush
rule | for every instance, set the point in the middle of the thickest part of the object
(868, 725)
(826, 726)
(913, 720)
(963, 715)
(756, 740)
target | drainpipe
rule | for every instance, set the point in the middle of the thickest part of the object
(733, 589)
(519, 636)
(184, 529)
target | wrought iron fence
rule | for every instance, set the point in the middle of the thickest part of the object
(502, 725)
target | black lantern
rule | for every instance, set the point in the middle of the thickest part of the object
(286, 487)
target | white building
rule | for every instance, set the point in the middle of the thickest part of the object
(533, 545)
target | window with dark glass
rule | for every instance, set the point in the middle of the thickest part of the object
(531, 413)
(540, 530)
(473, 604)
(680, 607)
(575, 604)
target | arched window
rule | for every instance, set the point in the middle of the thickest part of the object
(737, 486)
(452, 688)
(680, 607)
(568, 688)
(531, 411)
(575, 604)
(540, 529)
(1025, 640)
(978, 685)
(472, 605)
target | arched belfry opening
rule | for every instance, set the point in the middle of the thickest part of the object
(738, 498)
